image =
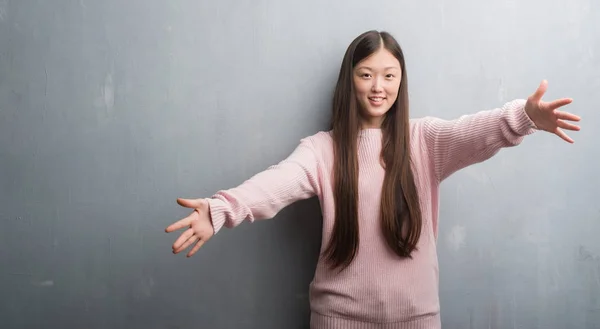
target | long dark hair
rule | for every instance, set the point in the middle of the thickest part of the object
(400, 210)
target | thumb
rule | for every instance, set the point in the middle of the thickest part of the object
(537, 95)
(189, 203)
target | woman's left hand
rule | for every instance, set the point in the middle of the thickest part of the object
(546, 116)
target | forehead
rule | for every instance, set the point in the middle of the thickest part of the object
(379, 60)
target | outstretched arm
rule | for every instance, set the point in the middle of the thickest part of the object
(469, 139)
(266, 193)
(259, 197)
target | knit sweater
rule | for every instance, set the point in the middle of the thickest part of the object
(379, 289)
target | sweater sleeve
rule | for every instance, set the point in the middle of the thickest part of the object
(266, 193)
(455, 144)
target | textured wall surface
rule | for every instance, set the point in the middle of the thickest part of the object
(110, 110)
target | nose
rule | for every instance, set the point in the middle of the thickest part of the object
(377, 85)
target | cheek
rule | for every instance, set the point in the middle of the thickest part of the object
(361, 89)
(392, 92)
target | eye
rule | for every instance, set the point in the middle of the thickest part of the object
(366, 75)
(390, 76)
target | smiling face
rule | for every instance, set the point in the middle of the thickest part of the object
(376, 81)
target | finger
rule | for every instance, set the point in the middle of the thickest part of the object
(184, 222)
(188, 243)
(564, 136)
(566, 116)
(189, 203)
(182, 238)
(559, 102)
(566, 125)
(537, 95)
(196, 247)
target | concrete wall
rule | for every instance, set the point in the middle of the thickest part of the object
(110, 110)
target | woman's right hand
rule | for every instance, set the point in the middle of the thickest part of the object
(198, 224)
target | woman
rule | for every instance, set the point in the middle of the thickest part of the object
(377, 175)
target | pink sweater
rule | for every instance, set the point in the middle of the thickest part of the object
(379, 289)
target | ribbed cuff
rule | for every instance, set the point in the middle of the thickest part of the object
(217, 213)
(319, 321)
(523, 123)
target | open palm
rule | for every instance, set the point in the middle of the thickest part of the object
(198, 224)
(547, 117)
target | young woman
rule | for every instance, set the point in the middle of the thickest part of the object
(377, 175)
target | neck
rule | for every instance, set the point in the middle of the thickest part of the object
(371, 124)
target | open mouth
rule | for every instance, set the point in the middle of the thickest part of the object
(376, 100)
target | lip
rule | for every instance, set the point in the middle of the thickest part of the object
(376, 101)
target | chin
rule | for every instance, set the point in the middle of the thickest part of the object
(377, 112)
(373, 115)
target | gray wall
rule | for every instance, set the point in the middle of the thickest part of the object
(110, 110)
